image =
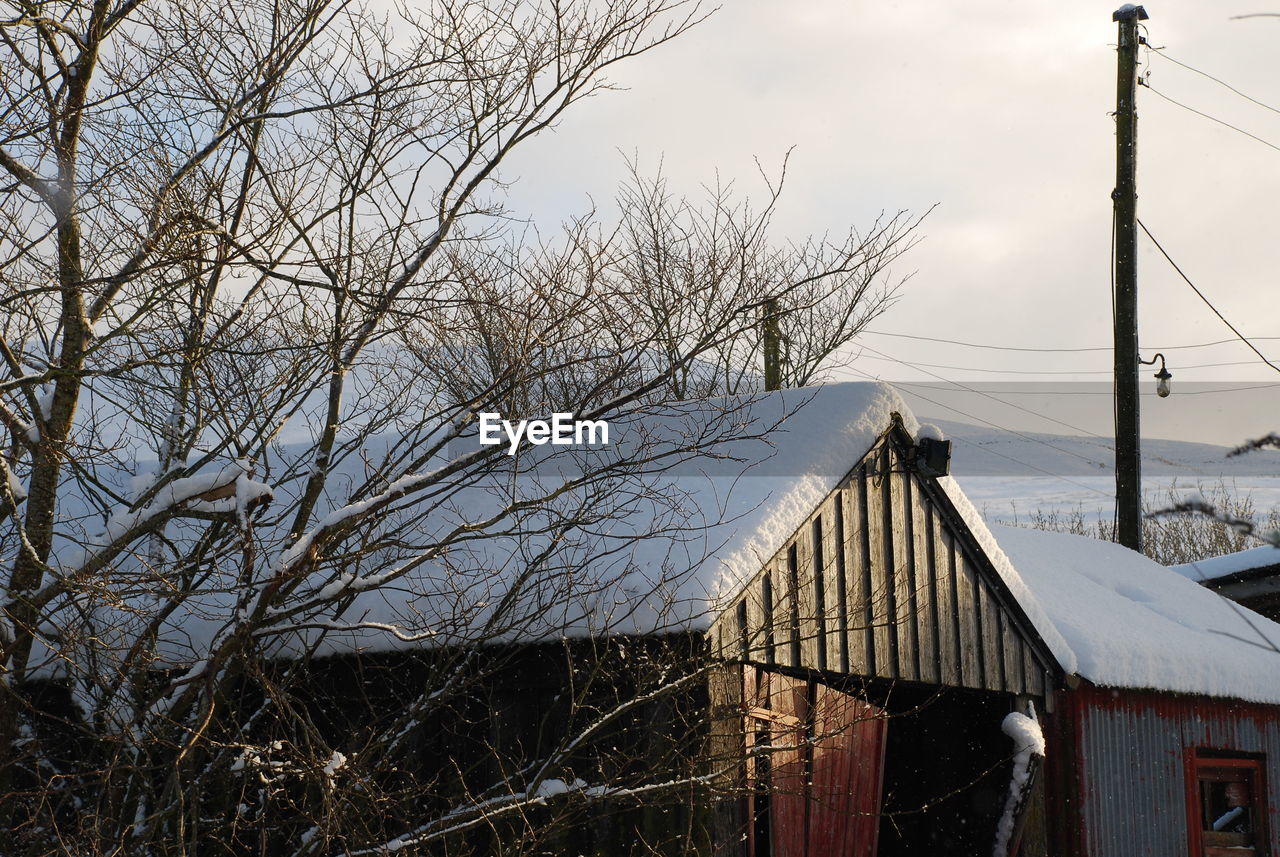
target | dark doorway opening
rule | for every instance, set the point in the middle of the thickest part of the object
(946, 772)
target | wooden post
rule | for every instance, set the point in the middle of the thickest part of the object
(1125, 198)
(772, 338)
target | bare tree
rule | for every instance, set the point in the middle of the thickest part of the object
(1228, 523)
(689, 265)
(256, 286)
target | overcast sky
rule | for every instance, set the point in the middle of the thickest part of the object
(1000, 113)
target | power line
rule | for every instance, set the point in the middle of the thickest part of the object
(1160, 52)
(1207, 302)
(1181, 392)
(1228, 390)
(995, 399)
(1221, 122)
(906, 384)
(989, 347)
(956, 410)
(980, 344)
(1180, 367)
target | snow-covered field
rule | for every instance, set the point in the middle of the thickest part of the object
(1004, 498)
(1014, 475)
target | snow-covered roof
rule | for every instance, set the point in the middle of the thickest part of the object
(672, 545)
(1229, 564)
(675, 542)
(1118, 619)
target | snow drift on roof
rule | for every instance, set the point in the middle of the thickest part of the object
(1228, 564)
(663, 551)
(1057, 644)
(1129, 622)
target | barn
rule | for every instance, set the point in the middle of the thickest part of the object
(865, 667)
(885, 664)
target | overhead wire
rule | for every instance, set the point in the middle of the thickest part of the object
(1239, 336)
(1212, 118)
(996, 399)
(1160, 52)
(1181, 392)
(1011, 405)
(1181, 368)
(980, 344)
(914, 388)
(990, 347)
(985, 422)
(1202, 297)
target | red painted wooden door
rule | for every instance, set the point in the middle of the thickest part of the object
(816, 773)
(847, 778)
(789, 797)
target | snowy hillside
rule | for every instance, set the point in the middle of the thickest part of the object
(984, 451)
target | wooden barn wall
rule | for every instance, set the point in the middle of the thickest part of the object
(880, 582)
(1130, 755)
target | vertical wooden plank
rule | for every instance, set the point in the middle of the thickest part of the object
(926, 587)
(768, 618)
(791, 574)
(949, 644)
(1032, 673)
(903, 553)
(726, 744)
(1035, 827)
(904, 579)
(970, 612)
(992, 656)
(1012, 658)
(807, 602)
(881, 580)
(826, 578)
(840, 571)
(825, 532)
(861, 576)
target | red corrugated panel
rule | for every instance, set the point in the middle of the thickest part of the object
(848, 761)
(823, 772)
(1134, 754)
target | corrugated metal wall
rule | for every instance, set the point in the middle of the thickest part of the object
(1132, 755)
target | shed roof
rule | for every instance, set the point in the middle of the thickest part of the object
(669, 544)
(1106, 614)
(1118, 619)
(1246, 563)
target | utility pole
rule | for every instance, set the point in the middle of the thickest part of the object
(772, 337)
(1125, 198)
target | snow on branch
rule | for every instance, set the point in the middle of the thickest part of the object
(307, 546)
(227, 490)
(485, 811)
(347, 627)
(1193, 503)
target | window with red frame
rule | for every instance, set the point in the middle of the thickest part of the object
(1227, 804)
